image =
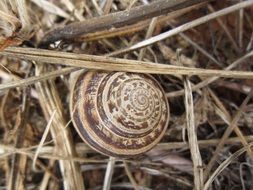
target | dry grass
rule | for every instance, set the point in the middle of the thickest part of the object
(200, 53)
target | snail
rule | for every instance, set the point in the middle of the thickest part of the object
(119, 114)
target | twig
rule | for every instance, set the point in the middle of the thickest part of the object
(117, 19)
(130, 29)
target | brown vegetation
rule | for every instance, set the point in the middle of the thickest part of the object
(201, 53)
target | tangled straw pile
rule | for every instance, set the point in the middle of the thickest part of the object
(199, 50)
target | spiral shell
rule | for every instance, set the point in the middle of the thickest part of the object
(119, 114)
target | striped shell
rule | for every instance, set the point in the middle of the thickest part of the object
(119, 114)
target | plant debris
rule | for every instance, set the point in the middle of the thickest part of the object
(200, 51)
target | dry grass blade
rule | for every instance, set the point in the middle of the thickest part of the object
(107, 6)
(224, 164)
(50, 101)
(43, 139)
(32, 80)
(82, 148)
(200, 49)
(240, 28)
(228, 33)
(114, 64)
(9, 18)
(46, 178)
(14, 22)
(48, 153)
(20, 5)
(51, 8)
(130, 176)
(224, 114)
(202, 143)
(19, 162)
(192, 136)
(127, 186)
(149, 33)
(151, 171)
(212, 79)
(185, 27)
(46, 44)
(226, 135)
(108, 174)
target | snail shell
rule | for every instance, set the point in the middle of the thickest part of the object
(119, 114)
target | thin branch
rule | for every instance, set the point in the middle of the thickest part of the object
(117, 19)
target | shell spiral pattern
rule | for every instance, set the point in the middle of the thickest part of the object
(119, 114)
